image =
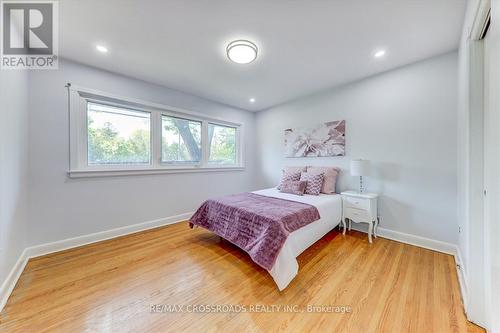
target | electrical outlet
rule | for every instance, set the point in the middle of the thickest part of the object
(459, 229)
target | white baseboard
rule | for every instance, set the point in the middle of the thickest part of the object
(43, 249)
(10, 282)
(430, 244)
(426, 243)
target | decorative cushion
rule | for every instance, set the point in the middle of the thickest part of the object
(294, 187)
(330, 177)
(289, 176)
(314, 182)
(293, 169)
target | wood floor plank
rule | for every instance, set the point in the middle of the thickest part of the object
(111, 286)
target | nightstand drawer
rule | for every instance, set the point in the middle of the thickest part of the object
(357, 203)
(357, 215)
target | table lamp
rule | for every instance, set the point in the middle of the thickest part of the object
(360, 168)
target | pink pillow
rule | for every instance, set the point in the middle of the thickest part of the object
(314, 182)
(330, 177)
(289, 176)
(294, 187)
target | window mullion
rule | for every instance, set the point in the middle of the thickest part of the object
(204, 144)
(155, 139)
(238, 146)
(82, 134)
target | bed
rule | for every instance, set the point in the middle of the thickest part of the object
(284, 266)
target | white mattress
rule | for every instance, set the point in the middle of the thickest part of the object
(330, 211)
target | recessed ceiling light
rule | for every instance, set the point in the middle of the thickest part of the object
(252, 100)
(102, 49)
(241, 51)
(379, 54)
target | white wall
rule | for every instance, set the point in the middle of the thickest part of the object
(61, 208)
(13, 167)
(405, 122)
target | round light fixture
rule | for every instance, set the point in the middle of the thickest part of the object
(241, 51)
(252, 100)
(102, 49)
(379, 54)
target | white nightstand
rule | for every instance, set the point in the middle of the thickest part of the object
(361, 207)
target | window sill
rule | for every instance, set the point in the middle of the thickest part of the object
(138, 172)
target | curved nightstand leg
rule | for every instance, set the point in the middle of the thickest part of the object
(375, 228)
(343, 225)
(350, 224)
(370, 231)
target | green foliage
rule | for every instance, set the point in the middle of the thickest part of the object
(174, 152)
(106, 147)
(188, 136)
(223, 145)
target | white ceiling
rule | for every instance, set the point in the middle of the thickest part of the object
(304, 45)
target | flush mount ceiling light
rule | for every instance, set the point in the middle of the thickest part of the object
(241, 51)
(102, 49)
(252, 100)
(379, 53)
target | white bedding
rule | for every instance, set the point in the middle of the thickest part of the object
(330, 211)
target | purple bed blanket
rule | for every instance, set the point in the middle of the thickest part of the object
(257, 224)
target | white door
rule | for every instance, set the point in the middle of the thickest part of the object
(487, 172)
(492, 167)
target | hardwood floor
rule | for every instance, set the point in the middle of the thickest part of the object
(111, 287)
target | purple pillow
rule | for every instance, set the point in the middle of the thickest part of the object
(314, 182)
(294, 187)
(330, 177)
(289, 176)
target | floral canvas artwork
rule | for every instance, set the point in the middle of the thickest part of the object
(327, 139)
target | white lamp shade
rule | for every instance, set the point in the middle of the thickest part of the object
(360, 167)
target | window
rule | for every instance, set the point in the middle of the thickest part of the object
(180, 140)
(222, 144)
(112, 135)
(117, 135)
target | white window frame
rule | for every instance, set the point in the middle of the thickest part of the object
(203, 136)
(78, 134)
(207, 161)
